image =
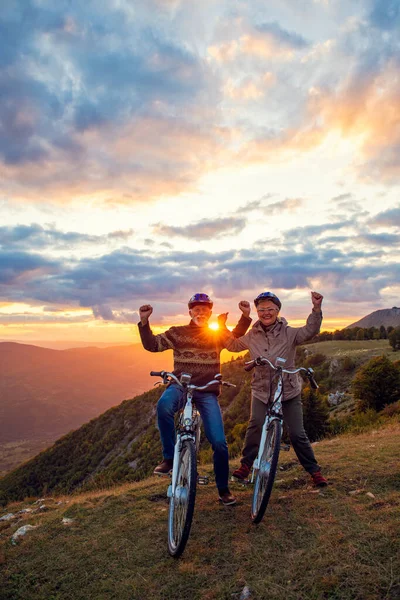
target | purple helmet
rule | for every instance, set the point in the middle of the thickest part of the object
(200, 299)
(268, 296)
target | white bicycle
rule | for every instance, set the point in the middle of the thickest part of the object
(265, 465)
(182, 490)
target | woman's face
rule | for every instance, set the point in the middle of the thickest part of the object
(267, 312)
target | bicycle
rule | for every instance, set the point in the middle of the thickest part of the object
(265, 465)
(182, 490)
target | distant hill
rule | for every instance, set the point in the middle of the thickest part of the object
(122, 444)
(45, 393)
(386, 317)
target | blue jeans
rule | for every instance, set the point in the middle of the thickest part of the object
(170, 402)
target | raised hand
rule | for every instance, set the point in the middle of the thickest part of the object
(316, 299)
(222, 318)
(244, 306)
(145, 312)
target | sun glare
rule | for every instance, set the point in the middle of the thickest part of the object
(214, 326)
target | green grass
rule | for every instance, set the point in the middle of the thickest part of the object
(356, 349)
(338, 543)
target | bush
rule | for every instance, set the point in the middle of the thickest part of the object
(315, 360)
(316, 414)
(394, 339)
(348, 364)
(392, 409)
(376, 384)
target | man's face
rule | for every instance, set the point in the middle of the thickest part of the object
(267, 312)
(200, 314)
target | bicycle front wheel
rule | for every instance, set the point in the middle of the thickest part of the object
(265, 474)
(181, 505)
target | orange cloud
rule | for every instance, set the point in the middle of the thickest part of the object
(148, 158)
(367, 113)
(261, 46)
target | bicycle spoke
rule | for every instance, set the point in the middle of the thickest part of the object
(182, 502)
(265, 474)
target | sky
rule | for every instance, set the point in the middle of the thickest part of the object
(153, 149)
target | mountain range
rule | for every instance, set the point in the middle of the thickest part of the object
(45, 393)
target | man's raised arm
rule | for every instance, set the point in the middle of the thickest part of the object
(151, 342)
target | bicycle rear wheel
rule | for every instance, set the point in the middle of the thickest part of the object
(265, 474)
(181, 505)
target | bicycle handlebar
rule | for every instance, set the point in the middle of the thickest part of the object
(167, 377)
(261, 360)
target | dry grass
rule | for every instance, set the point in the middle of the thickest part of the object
(356, 349)
(339, 543)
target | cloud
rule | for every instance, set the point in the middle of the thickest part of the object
(105, 312)
(16, 266)
(288, 205)
(265, 40)
(107, 100)
(100, 82)
(387, 218)
(343, 257)
(39, 237)
(205, 229)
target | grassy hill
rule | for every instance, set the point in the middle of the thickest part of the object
(341, 543)
(123, 444)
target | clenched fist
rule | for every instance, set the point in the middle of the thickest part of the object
(316, 299)
(244, 306)
(145, 312)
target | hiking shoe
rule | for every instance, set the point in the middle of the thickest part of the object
(318, 479)
(242, 473)
(226, 498)
(164, 468)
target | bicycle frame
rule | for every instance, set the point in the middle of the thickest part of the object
(266, 463)
(184, 478)
(273, 412)
(189, 428)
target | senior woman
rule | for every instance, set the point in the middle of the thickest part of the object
(272, 337)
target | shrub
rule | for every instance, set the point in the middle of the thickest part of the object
(392, 409)
(316, 414)
(394, 339)
(315, 360)
(348, 364)
(376, 383)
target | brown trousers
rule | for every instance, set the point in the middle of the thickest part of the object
(293, 417)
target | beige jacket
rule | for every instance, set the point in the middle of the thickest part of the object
(279, 341)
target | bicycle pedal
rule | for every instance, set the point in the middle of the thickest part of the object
(285, 447)
(203, 480)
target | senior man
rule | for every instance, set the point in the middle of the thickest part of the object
(196, 351)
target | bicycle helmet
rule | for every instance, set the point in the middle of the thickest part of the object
(268, 296)
(200, 299)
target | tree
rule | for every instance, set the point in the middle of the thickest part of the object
(376, 384)
(316, 414)
(394, 339)
(382, 332)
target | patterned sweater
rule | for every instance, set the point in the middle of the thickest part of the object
(196, 349)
